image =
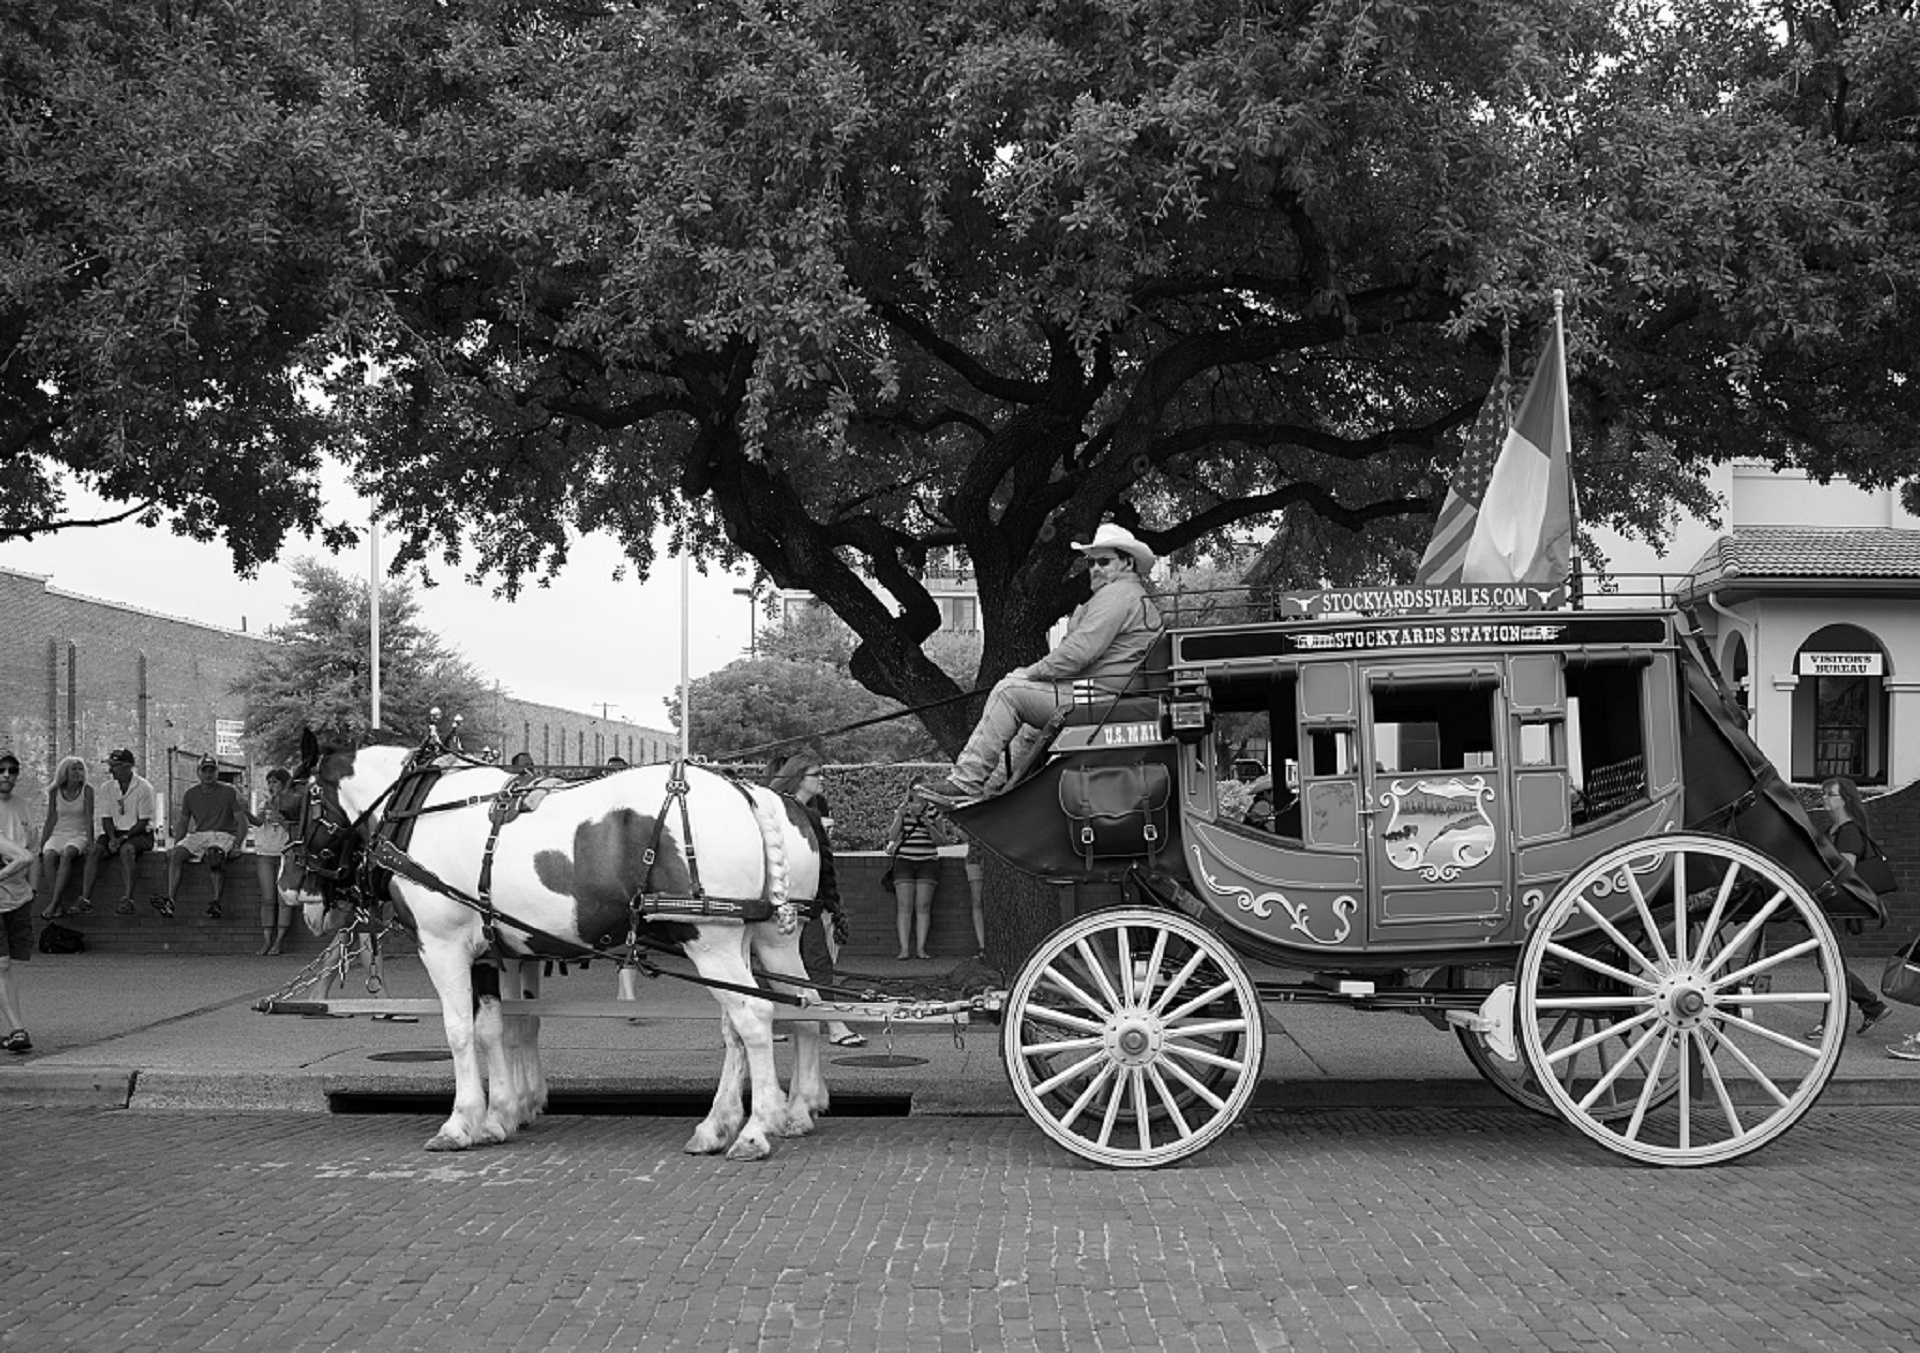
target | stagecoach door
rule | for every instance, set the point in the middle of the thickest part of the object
(1437, 811)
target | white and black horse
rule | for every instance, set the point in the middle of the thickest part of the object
(572, 868)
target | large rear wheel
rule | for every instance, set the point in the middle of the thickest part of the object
(1698, 1047)
(1133, 1037)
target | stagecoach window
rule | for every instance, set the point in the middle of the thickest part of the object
(1542, 743)
(1433, 727)
(1332, 750)
(1606, 738)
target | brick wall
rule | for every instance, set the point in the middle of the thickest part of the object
(79, 677)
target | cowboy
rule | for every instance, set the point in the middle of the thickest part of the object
(1106, 640)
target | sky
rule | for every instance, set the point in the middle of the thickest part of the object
(584, 642)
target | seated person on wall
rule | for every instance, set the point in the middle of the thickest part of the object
(212, 819)
(1106, 640)
(126, 806)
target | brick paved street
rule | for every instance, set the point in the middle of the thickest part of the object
(1424, 1229)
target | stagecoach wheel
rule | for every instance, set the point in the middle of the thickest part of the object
(1709, 1040)
(1587, 1058)
(1133, 1037)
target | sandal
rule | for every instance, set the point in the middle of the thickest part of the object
(850, 1039)
(17, 1041)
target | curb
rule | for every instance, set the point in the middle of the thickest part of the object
(256, 1092)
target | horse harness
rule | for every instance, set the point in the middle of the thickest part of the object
(387, 856)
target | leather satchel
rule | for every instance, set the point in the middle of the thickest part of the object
(1901, 979)
(1876, 871)
(1116, 812)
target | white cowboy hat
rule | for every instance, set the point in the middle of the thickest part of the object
(1111, 537)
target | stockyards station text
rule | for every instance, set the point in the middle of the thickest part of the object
(1429, 636)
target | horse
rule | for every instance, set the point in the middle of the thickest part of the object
(561, 874)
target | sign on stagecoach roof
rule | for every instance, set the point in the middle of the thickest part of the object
(1333, 601)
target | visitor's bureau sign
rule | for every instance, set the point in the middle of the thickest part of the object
(1841, 664)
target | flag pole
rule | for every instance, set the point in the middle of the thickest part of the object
(686, 718)
(1575, 589)
(373, 590)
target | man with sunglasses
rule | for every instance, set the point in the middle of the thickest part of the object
(16, 891)
(1106, 640)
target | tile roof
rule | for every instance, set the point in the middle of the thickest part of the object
(1754, 552)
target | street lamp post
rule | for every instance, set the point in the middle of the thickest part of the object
(752, 594)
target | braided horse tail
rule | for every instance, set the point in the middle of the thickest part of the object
(773, 831)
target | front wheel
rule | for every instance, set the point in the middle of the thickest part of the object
(1701, 1046)
(1133, 1037)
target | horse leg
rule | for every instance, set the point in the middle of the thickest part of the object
(447, 963)
(721, 1126)
(720, 953)
(512, 1053)
(807, 1092)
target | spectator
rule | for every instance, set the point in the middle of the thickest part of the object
(16, 895)
(825, 928)
(616, 762)
(68, 829)
(270, 841)
(1852, 833)
(976, 887)
(913, 841)
(1106, 640)
(211, 815)
(125, 803)
(521, 761)
(1259, 814)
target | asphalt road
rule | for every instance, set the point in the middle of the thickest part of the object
(1348, 1229)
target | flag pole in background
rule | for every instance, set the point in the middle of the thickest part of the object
(373, 590)
(1508, 517)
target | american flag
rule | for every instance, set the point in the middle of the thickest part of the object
(1508, 514)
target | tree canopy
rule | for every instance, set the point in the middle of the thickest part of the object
(834, 284)
(319, 676)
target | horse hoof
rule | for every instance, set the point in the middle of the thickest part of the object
(798, 1123)
(705, 1142)
(441, 1141)
(750, 1146)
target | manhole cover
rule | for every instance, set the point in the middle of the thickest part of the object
(880, 1059)
(412, 1055)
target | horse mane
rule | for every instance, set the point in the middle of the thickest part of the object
(773, 832)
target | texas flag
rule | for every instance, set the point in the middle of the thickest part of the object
(1508, 516)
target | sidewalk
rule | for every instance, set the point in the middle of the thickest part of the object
(159, 1031)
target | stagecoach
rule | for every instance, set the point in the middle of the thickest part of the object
(1545, 829)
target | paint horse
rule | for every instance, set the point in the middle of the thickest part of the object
(589, 866)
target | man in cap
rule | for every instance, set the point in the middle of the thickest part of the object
(1106, 640)
(212, 821)
(126, 805)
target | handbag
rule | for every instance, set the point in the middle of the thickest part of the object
(1901, 979)
(886, 881)
(1876, 871)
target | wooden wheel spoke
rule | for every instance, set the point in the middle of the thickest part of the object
(1641, 1104)
(1060, 1045)
(1065, 985)
(1592, 964)
(1207, 1030)
(1767, 963)
(1198, 1087)
(1046, 1014)
(1177, 981)
(1730, 1018)
(1098, 971)
(1652, 927)
(1761, 1078)
(1116, 1095)
(1703, 1043)
(1235, 1065)
(1137, 1082)
(1600, 1036)
(1074, 1072)
(1605, 1083)
(1207, 997)
(1169, 1101)
(1612, 932)
(1079, 1105)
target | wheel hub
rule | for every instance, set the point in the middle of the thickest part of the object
(1682, 1000)
(1133, 1038)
